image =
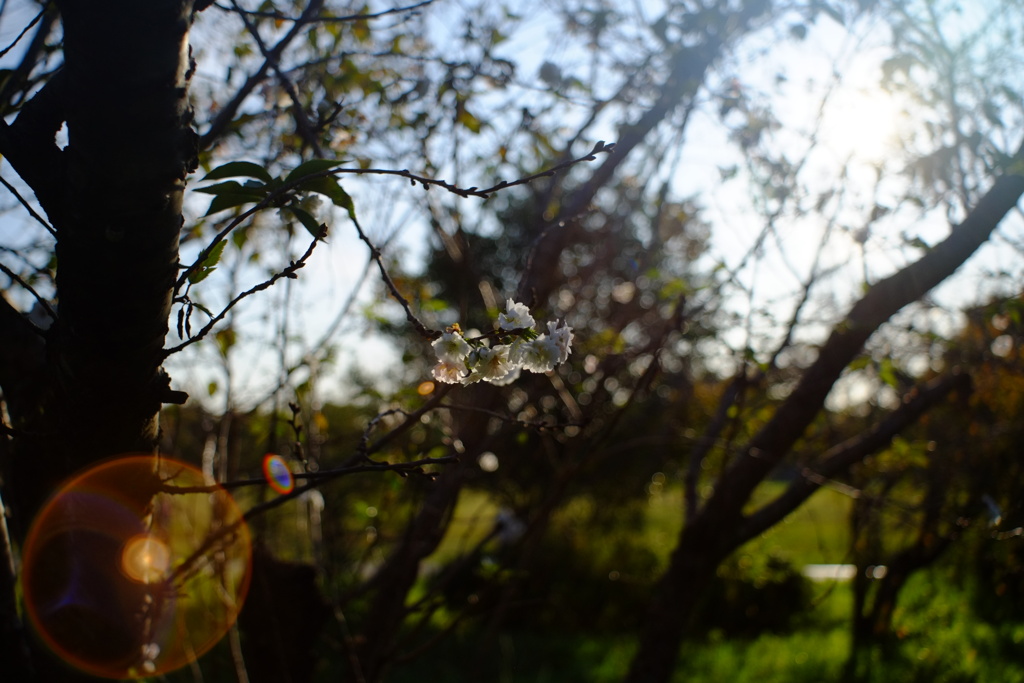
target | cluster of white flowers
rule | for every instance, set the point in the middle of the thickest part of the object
(520, 348)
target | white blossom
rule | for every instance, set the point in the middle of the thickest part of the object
(466, 362)
(517, 349)
(516, 316)
(311, 203)
(450, 373)
(562, 337)
(510, 377)
(451, 348)
(489, 364)
(541, 354)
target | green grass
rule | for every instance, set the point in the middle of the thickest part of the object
(816, 533)
(942, 642)
(940, 638)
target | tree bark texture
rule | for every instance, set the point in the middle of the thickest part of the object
(91, 385)
(114, 197)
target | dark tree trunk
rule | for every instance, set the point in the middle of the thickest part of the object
(91, 386)
(675, 600)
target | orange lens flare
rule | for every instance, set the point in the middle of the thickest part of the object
(277, 473)
(135, 567)
(145, 559)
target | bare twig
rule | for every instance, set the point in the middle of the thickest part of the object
(375, 253)
(314, 479)
(225, 115)
(526, 424)
(42, 302)
(601, 146)
(32, 212)
(277, 16)
(366, 448)
(302, 123)
(289, 272)
(25, 30)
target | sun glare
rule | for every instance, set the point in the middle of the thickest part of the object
(145, 559)
(863, 123)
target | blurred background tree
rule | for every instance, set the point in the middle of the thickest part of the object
(750, 276)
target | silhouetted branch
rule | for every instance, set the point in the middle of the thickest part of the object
(427, 183)
(302, 124)
(28, 207)
(841, 457)
(277, 16)
(289, 272)
(42, 302)
(227, 114)
(375, 253)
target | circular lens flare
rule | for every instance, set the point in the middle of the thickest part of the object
(277, 473)
(135, 567)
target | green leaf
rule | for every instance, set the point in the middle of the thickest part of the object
(469, 121)
(859, 363)
(235, 169)
(199, 275)
(225, 340)
(229, 201)
(309, 222)
(209, 263)
(312, 166)
(229, 187)
(232, 193)
(332, 189)
(361, 30)
(887, 373)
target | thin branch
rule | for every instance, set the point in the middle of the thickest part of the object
(426, 182)
(277, 16)
(302, 123)
(709, 439)
(840, 457)
(32, 212)
(42, 302)
(601, 146)
(227, 114)
(526, 424)
(314, 480)
(289, 272)
(375, 253)
(14, 648)
(412, 418)
(225, 533)
(234, 223)
(17, 80)
(25, 30)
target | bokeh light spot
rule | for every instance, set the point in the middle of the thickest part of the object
(488, 462)
(277, 473)
(145, 559)
(135, 567)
